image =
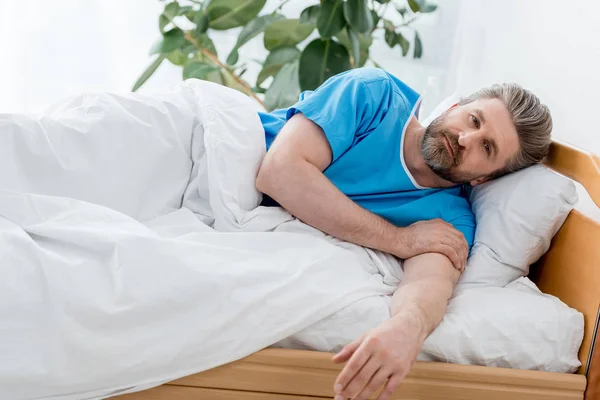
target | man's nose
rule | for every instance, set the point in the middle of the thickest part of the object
(465, 139)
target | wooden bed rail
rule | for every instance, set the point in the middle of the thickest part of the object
(570, 270)
(577, 164)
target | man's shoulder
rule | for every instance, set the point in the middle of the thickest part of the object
(369, 76)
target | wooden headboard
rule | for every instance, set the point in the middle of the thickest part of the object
(570, 270)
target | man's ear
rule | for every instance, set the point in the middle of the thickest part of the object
(479, 180)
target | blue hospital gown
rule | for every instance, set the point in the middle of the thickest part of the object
(364, 114)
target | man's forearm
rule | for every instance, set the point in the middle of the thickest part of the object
(303, 190)
(422, 298)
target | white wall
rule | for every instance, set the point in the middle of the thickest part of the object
(53, 49)
(550, 46)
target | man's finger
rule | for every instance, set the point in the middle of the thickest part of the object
(362, 378)
(451, 253)
(464, 248)
(458, 250)
(374, 384)
(391, 387)
(347, 351)
(358, 359)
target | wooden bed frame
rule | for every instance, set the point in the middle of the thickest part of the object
(570, 270)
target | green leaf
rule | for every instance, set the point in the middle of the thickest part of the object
(256, 27)
(148, 72)
(191, 15)
(390, 38)
(171, 40)
(171, 10)
(418, 52)
(402, 11)
(331, 18)
(215, 76)
(310, 14)
(414, 6)
(320, 60)
(404, 44)
(183, 10)
(198, 70)
(375, 18)
(285, 33)
(388, 25)
(177, 57)
(355, 40)
(250, 31)
(429, 8)
(382, 1)
(275, 60)
(284, 90)
(233, 57)
(201, 21)
(365, 41)
(227, 14)
(162, 22)
(358, 15)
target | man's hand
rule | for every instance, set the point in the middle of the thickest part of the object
(434, 236)
(385, 354)
(388, 352)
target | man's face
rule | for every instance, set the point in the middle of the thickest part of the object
(469, 142)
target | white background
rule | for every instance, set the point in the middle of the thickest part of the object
(53, 49)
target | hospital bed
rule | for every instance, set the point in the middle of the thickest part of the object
(570, 270)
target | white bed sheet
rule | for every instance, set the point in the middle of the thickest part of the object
(114, 277)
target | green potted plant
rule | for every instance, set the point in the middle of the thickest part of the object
(345, 33)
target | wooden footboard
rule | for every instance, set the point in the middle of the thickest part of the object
(293, 374)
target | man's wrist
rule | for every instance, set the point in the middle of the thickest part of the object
(399, 243)
(416, 318)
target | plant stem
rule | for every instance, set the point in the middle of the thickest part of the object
(283, 3)
(216, 60)
(402, 25)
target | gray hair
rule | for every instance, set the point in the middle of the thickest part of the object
(532, 121)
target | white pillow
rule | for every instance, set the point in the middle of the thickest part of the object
(517, 217)
(512, 327)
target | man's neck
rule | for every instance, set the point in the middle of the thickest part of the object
(413, 157)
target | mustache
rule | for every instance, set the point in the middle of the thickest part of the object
(452, 140)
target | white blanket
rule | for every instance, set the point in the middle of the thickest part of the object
(133, 251)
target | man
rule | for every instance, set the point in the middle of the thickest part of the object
(352, 160)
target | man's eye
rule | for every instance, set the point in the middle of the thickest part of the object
(475, 121)
(487, 148)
